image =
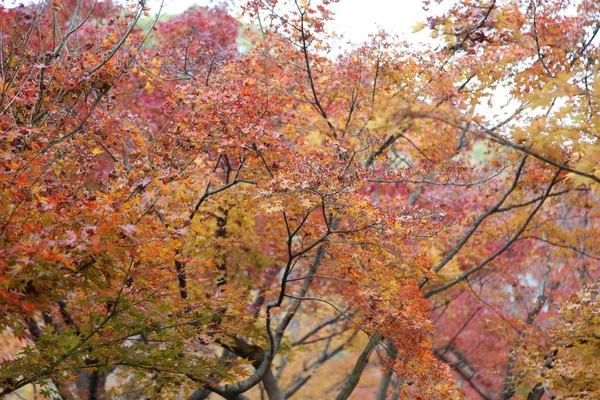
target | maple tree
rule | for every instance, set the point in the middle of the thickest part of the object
(198, 205)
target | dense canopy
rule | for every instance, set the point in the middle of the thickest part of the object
(209, 204)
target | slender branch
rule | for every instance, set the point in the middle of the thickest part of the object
(527, 150)
(509, 243)
(563, 246)
(325, 356)
(535, 200)
(435, 183)
(208, 193)
(319, 327)
(462, 328)
(477, 223)
(304, 35)
(328, 277)
(536, 39)
(464, 370)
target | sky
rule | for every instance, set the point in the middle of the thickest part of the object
(355, 19)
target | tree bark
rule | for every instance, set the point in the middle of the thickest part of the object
(384, 383)
(356, 373)
(271, 386)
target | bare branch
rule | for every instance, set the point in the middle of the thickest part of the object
(509, 243)
(477, 223)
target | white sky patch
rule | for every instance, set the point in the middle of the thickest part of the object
(354, 19)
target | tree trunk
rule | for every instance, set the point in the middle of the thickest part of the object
(384, 384)
(356, 373)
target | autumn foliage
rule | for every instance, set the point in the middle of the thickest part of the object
(206, 204)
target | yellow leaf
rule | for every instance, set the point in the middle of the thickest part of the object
(97, 151)
(419, 27)
(196, 225)
(149, 88)
(315, 137)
